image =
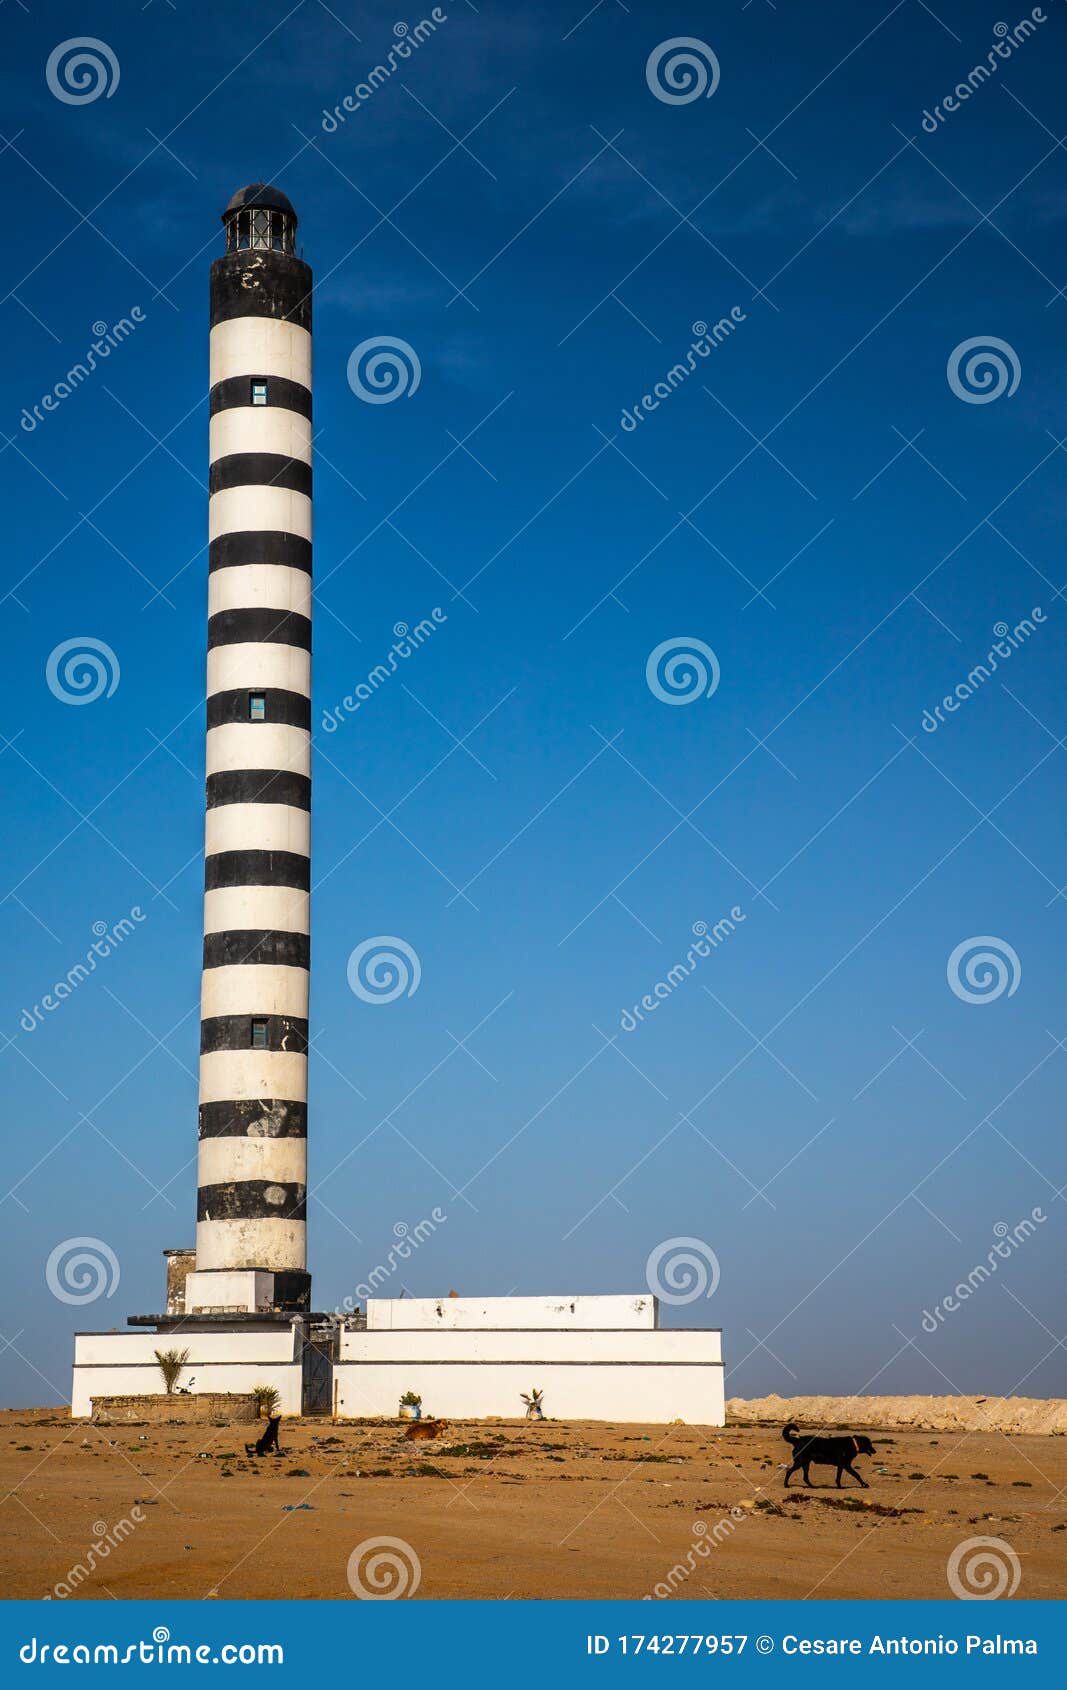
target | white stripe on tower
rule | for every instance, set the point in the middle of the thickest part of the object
(252, 1167)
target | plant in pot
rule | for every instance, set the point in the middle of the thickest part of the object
(266, 1399)
(410, 1406)
(533, 1404)
(171, 1363)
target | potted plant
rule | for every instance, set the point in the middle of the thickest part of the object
(410, 1406)
(171, 1363)
(533, 1404)
(266, 1399)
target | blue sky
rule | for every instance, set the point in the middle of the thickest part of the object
(816, 503)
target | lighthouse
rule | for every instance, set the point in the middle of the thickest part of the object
(238, 1308)
(251, 1250)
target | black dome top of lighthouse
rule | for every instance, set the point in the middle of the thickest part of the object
(260, 196)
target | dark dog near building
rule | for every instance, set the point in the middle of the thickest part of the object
(269, 1440)
(825, 1452)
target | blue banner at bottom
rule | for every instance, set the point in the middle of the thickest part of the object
(764, 1643)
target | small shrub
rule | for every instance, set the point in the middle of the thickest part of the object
(171, 1363)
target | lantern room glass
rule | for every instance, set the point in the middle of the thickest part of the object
(254, 228)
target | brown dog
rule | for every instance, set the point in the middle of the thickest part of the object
(421, 1429)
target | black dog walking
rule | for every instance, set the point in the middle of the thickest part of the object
(825, 1452)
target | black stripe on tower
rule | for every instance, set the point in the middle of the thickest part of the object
(257, 868)
(259, 625)
(259, 545)
(236, 391)
(252, 1200)
(287, 1033)
(261, 1117)
(259, 469)
(256, 945)
(250, 283)
(259, 786)
(292, 709)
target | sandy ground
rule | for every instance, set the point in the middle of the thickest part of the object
(1046, 1416)
(511, 1509)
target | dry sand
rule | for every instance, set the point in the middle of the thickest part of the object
(514, 1509)
(1045, 1417)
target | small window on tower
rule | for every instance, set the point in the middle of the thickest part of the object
(259, 1035)
(259, 393)
(257, 707)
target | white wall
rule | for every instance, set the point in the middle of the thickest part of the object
(473, 1313)
(533, 1348)
(123, 1364)
(653, 1394)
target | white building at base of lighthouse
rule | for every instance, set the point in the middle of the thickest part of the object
(593, 1358)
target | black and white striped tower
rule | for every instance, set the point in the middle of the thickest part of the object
(252, 1166)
